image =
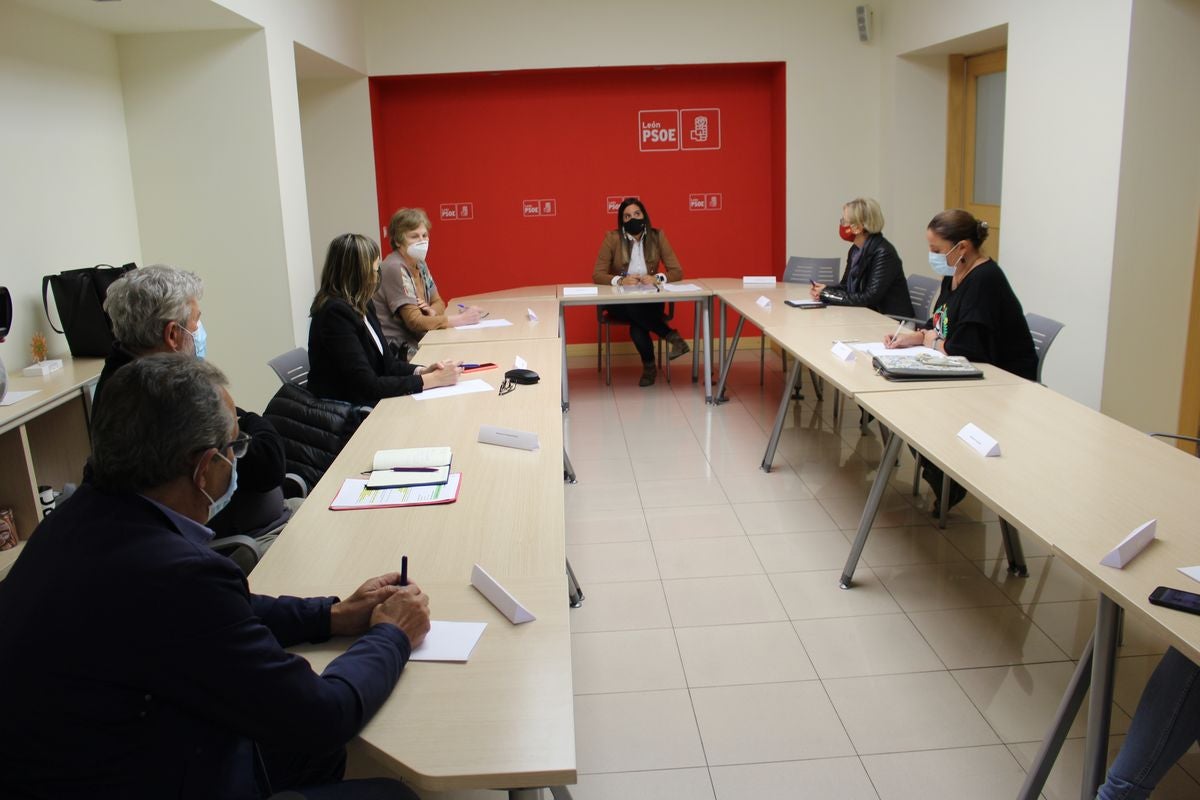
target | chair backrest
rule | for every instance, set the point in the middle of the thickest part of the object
(292, 366)
(802, 270)
(1044, 331)
(923, 289)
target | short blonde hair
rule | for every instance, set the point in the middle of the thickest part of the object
(864, 211)
(405, 220)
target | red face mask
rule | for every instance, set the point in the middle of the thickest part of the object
(845, 232)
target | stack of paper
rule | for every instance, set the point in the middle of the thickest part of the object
(355, 494)
(680, 287)
(411, 466)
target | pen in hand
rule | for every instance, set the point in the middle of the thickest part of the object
(891, 340)
(404, 570)
(462, 307)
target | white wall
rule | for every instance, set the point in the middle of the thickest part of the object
(66, 197)
(1157, 212)
(339, 161)
(202, 148)
(832, 79)
(1065, 111)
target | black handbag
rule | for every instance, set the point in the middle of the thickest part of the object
(79, 297)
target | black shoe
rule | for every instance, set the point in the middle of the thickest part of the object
(649, 373)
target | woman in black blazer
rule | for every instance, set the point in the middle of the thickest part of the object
(347, 355)
(874, 275)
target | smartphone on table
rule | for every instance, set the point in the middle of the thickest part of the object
(1176, 599)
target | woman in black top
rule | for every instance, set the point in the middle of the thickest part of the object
(976, 315)
(348, 357)
(874, 275)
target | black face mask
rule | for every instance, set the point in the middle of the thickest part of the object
(635, 226)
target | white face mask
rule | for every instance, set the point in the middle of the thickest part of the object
(418, 250)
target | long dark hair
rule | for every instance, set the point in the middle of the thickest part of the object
(626, 203)
(349, 272)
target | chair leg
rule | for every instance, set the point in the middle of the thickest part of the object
(608, 355)
(574, 590)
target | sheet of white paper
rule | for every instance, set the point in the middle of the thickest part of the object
(1191, 572)
(580, 291)
(462, 387)
(520, 363)
(680, 287)
(449, 641)
(878, 349)
(355, 494)
(1131, 545)
(485, 323)
(758, 280)
(640, 288)
(15, 397)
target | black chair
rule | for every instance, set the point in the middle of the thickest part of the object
(1044, 331)
(604, 325)
(292, 366)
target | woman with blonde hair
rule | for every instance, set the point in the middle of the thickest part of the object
(347, 354)
(874, 275)
(407, 301)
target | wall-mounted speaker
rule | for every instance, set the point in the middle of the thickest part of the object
(864, 15)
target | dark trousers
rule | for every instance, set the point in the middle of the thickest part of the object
(295, 776)
(643, 319)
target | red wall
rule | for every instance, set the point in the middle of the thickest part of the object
(499, 140)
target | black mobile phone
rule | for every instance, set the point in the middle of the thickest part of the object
(804, 303)
(1176, 599)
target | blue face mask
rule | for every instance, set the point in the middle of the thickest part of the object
(939, 264)
(217, 506)
(199, 340)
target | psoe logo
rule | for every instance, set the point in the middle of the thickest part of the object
(701, 128)
(531, 208)
(456, 211)
(706, 201)
(658, 129)
(613, 202)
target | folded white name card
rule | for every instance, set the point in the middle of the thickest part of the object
(763, 301)
(520, 363)
(1130, 546)
(532, 316)
(504, 602)
(758, 280)
(1191, 572)
(842, 351)
(507, 437)
(980, 442)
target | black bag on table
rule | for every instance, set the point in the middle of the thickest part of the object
(79, 297)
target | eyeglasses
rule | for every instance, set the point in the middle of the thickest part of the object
(506, 386)
(239, 445)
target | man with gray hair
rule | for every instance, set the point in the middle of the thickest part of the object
(156, 309)
(141, 663)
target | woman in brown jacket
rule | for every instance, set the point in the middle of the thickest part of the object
(632, 255)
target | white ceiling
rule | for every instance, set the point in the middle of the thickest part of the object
(143, 16)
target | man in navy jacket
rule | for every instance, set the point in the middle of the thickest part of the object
(134, 660)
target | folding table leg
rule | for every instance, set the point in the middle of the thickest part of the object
(574, 590)
(886, 464)
(784, 402)
(1068, 710)
(1104, 662)
(568, 470)
(727, 364)
(1013, 549)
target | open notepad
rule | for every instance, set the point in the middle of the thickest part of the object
(355, 494)
(410, 466)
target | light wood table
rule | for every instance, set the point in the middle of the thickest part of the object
(544, 292)
(1081, 481)
(515, 311)
(505, 719)
(617, 295)
(44, 440)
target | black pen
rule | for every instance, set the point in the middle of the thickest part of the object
(404, 570)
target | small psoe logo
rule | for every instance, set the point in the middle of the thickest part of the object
(706, 201)
(449, 212)
(546, 207)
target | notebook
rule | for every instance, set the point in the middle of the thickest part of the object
(355, 494)
(412, 466)
(925, 367)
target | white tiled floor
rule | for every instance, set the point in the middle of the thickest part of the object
(716, 657)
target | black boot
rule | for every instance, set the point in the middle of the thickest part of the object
(678, 345)
(649, 373)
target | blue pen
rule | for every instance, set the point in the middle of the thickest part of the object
(461, 307)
